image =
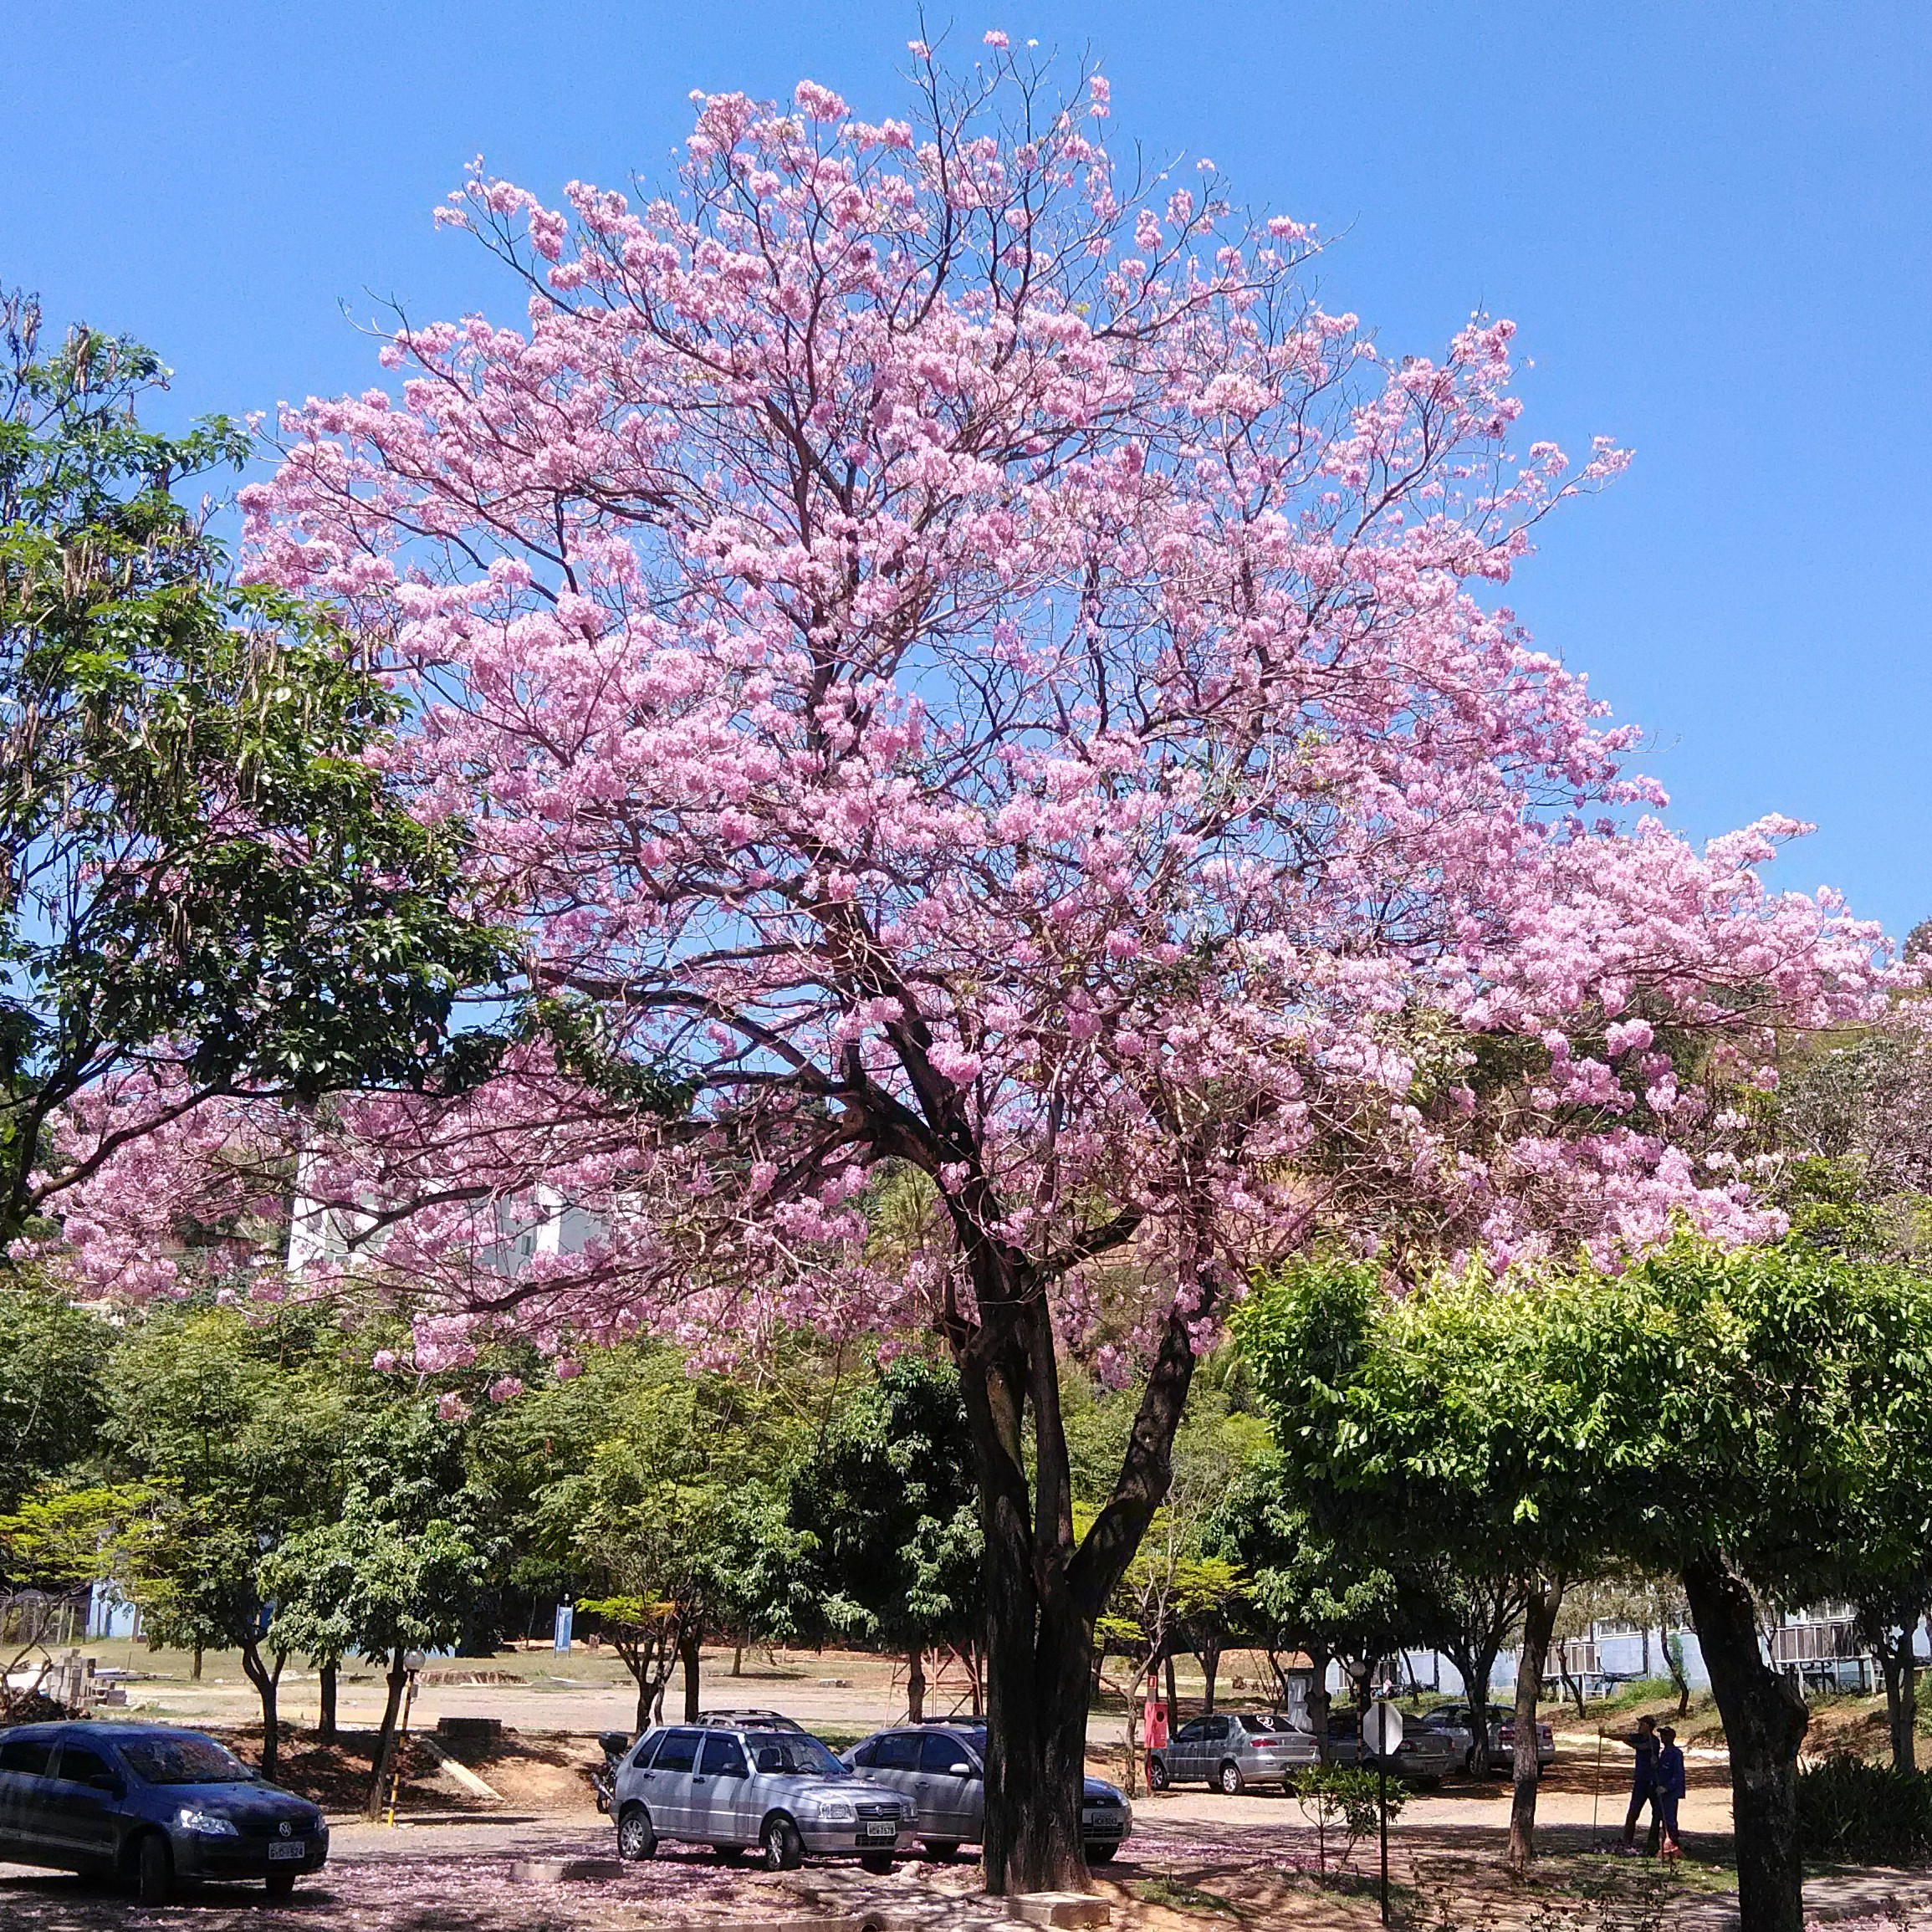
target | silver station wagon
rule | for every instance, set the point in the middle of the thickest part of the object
(1232, 1750)
(734, 1787)
(942, 1769)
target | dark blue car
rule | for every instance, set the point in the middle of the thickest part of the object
(151, 1805)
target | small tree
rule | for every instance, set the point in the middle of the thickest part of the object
(398, 1567)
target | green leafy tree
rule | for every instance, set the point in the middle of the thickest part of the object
(1755, 1420)
(234, 1425)
(52, 1356)
(207, 888)
(887, 1520)
(397, 1565)
(661, 1493)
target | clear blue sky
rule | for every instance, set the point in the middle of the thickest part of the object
(1711, 223)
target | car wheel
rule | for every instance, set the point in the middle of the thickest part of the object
(636, 1839)
(1229, 1778)
(281, 1885)
(1157, 1774)
(782, 1848)
(880, 1862)
(1100, 1854)
(942, 1847)
(154, 1870)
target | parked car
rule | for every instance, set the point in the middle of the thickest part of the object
(1234, 1749)
(942, 1769)
(1502, 1734)
(732, 1788)
(149, 1804)
(1429, 1751)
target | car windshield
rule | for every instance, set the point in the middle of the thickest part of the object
(183, 1760)
(795, 1751)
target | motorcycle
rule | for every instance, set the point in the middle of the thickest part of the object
(615, 1744)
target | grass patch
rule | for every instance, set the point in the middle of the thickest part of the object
(1179, 1896)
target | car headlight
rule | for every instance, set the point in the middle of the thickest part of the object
(836, 1812)
(208, 1824)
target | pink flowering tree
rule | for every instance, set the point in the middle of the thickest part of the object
(964, 673)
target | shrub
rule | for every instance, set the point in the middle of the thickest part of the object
(1339, 1800)
(1855, 1813)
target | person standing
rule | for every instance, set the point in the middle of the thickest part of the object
(1670, 1788)
(1643, 1741)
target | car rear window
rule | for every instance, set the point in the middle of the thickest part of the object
(678, 1752)
(1260, 1721)
(27, 1755)
(183, 1760)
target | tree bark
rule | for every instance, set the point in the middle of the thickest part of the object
(1764, 1724)
(1546, 1599)
(268, 1687)
(689, 1656)
(1173, 1695)
(1899, 1668)
(195, 1669)
(1475, 1666)
(1318, 1700)
(1042, 1592)
(385, 1737)
(1209, 1655)
(915, 1684)
(329, 1673)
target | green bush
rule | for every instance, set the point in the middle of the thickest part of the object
(1851, 1812)
(1340, 1802)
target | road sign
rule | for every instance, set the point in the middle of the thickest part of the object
(1381, 1729)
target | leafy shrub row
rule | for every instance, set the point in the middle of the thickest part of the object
(1855, 1813)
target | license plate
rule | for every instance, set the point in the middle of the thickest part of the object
(286, 1848)
(889, 1830)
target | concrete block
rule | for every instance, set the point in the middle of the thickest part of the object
(556, 1871)
(1073, 1908)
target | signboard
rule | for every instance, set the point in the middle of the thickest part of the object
(1381, 1729)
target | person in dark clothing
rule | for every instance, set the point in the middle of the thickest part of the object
(1643, 1741)
(1670, 1788)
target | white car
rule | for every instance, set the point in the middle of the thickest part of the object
(778, 1790)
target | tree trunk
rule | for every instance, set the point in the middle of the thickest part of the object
(689, 1656)
(385, 1737)
(915, 1684)
(1210, 1655)
(1044, 1592)
(1764, 1724)
(1318, 1700)
(268, 1686)
(738, 1656)
(1546, 1599)
(325, 1720)
(1900, 1669)
(195, 1669)
(1475, 1668)
(1173, 1695)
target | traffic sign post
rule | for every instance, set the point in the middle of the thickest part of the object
(1382, 1733)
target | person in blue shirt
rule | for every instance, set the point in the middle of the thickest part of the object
(1669, 1788)
(1643, 1741)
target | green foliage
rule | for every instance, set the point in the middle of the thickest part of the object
(59, 1537)
(887, 1530)
(1851, 1812)
(206, 874)
(1767, 1402)
(400, 1562)
(1343, 1801)
(52, 1357)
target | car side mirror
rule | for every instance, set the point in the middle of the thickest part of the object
(960, 1770)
